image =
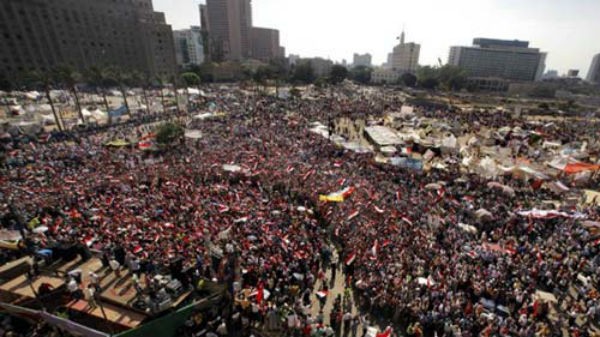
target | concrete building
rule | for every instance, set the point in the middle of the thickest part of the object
(499, 59)
(265, 44)
(321, 66)
(405, 56)
(189, 48)
(229, 34)
(385, 75)
(228, 24)
(293, 59)
(362, 60)
(593, 75)
(84, 33)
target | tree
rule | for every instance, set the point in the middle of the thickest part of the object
(169, 133)
(304, 73)
(69, 78)
(142, 80)
(261, 75)
(160, 83)
(427, 77)
(452, 77)
(42, 79)
(361, 74)
(337, 74)
(6, 85)
(190, 79)
(100, 79)
(408, 79)
(122, 78)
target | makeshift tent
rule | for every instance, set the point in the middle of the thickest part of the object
(117, 143)
(193, 134)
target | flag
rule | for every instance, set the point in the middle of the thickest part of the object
(386, 243)
(378, 210)
(407, 220)
(386, 333)
(398, 196)
(353, 215)
(223, 208)
(89, 240)
(260, 292)
(322, 293)
(350, 259)
(338, 196)
(338, 164)
(289, 169)
(137, 249)
(374, 250)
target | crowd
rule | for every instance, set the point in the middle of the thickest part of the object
(257, 226)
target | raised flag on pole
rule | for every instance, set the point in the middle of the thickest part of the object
(350, 259)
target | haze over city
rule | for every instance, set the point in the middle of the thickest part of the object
(565, 29)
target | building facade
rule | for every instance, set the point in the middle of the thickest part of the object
(385, 75)
(404, 57)
(265, 44)
(500, 59)
(189, 47)
(41, 35)
(362, 60)
(230, 36)
(593, 75)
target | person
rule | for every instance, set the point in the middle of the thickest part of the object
(115, 266)
(90, 295)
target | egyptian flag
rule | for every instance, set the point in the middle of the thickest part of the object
(378, 210)
(386, 243)
(223, 208)
(322, 293)
(407, 220)
(398, 196)
(137, 249)
(350, 259)
(338, 164)
(89, 240)
(260, 293)
(386, 333)
(374, 250)
(353, 215)
(289, 169)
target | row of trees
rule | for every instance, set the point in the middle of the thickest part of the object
(97, 80)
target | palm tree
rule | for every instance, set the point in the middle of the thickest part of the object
(122, 78)
(141, 80)
(69, 78)
(161, 83)
(42, 79)
(6, 85)
(174, 80)
(190, 79)
(100, 78)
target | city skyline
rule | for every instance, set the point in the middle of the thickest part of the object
(565, 29)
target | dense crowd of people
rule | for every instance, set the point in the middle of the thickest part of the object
(240, 206)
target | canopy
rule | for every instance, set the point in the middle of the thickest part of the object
(117, 143)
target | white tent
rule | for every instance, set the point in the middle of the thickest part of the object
(193, 91)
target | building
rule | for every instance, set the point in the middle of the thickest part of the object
(405, 56)
(229, 34)
(499, 59)
(320, 66)
(265, 44)
(573, 73)
(228, 25)
(41, 35)
(362, 60)
(385, 75)
(594, 72)
(550, 74)
(189, 46)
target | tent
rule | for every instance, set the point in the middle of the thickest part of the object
(117, 143)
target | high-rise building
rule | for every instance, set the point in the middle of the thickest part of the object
(362, 60)
(594, 73)
(500, 59)
(40, 35)
(405, 56)
(189, 46)
(229, 34)
(265, 44)
(228, 25)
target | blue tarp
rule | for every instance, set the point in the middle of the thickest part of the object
(120, 111)
(409, 163)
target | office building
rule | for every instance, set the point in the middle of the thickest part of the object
(594, 72)
(362, 60)
(385, 75)
(405, 56)
(265, 44)
(573, 73)
(229, 34)
(189, 48)
(84, 33)
(499, 59)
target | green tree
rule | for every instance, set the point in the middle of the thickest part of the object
(337, 74)
(304, 73)
(427, 77)
(191, 79)
(6, 85)
(69, 78)
(122, 78)
(43, 80)
(408, 79)
(160, 83)
(452, 77)
(168, 133)
(141, 80)
(361, 74)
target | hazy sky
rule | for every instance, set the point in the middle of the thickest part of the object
(569, 30)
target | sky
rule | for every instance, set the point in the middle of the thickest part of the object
(568, 30)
